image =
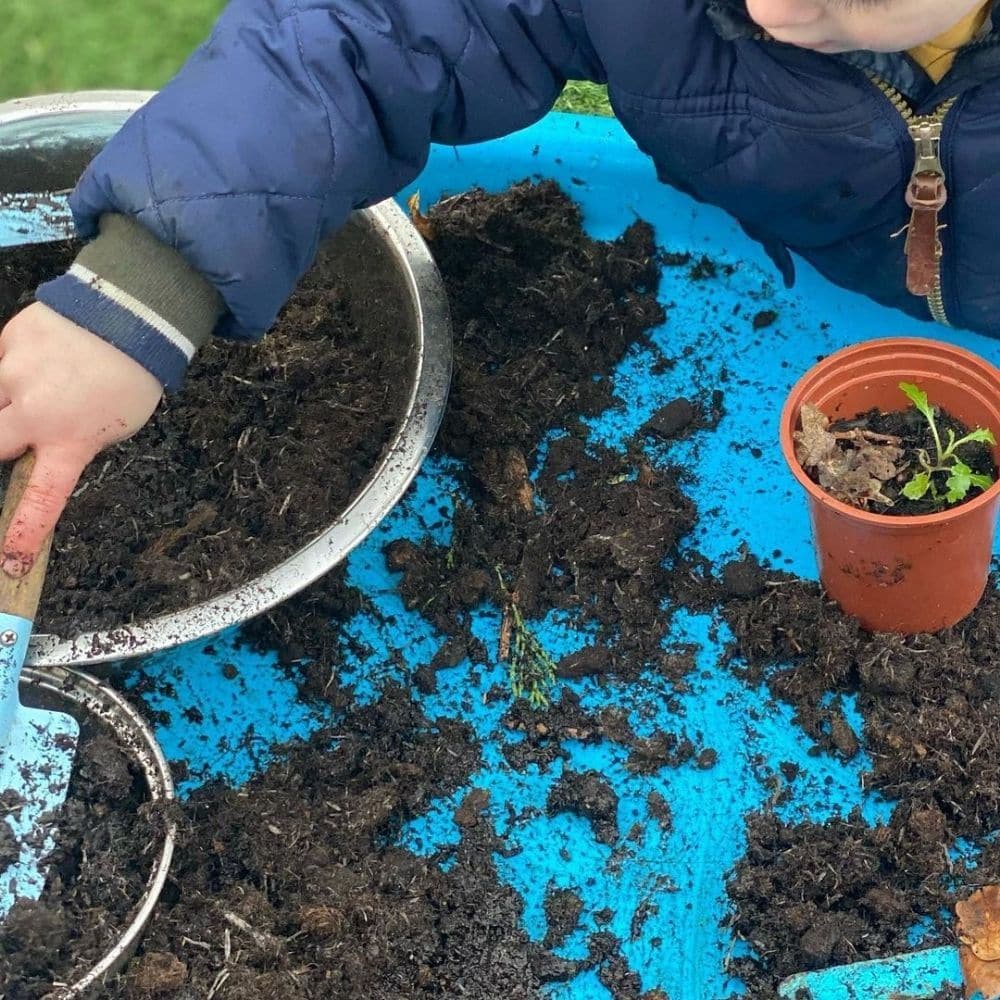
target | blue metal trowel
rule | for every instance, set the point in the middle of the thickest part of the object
(34, 218)
(918, 975)
(37, 746)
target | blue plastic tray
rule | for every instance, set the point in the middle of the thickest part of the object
(682, 948)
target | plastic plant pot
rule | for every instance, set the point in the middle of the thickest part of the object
(900, 574)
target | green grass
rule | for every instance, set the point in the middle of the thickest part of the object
(54, 45)
(57, 45)
(584, 99)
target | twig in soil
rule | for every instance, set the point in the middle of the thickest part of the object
(531, 670)
(202, 515)
(263, 940)
(220, 981)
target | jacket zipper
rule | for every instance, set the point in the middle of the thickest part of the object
(927, 194)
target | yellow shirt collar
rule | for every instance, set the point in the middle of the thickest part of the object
(937, 55)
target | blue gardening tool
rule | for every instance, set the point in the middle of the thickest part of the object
(34, 218)
(37, 746)
(912, 977)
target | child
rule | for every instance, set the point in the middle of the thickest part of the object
(797, 116)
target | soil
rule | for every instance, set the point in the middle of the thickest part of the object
(872, 468)
(543, 314)
(98, 872)
(350, 918)
(927, 703)
(588, 795)
(562, 914)
(221, 484)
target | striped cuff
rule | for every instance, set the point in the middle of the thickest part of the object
(139, 295)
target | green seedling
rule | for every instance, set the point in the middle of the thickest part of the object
(946, 460)
(530, 668)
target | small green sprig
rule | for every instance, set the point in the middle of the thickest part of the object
(530, 668)
(532, 671)
(946, 460)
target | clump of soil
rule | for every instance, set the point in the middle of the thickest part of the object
(809, 896)
(588, 795)
(299, 630)
(542, 313)
(96, 874)
(871, 460)
(221, 484)
(763, 319)
(563, 908)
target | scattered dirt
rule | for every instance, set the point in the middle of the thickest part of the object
(808, 896)
(588, 795)
(98, 872)
(562, 915)
(542, 315)
(350, 917)
(221, 485)
(926, 703)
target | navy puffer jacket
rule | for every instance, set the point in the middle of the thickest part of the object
(295, 112)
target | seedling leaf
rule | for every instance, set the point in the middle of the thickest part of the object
(958, 482)
(980, 434)
(983, 482)
(918, 398)
(918, 486)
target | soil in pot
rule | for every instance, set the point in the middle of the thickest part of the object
(892, 463)
(108, 835)
(255, 455)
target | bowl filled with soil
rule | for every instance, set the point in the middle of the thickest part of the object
(894, 443)
(114, 840)
(272, 463)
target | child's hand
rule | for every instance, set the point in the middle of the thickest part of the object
(66, 394)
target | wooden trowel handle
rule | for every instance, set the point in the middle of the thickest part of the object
(20, 596)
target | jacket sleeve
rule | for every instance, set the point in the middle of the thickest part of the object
(292, 114)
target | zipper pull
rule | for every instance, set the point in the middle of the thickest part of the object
(926, 194)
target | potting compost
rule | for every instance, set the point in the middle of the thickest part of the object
(712, 780)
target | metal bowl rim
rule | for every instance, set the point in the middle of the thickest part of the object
(59, 685)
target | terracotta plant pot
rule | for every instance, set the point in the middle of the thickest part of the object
(900, 574)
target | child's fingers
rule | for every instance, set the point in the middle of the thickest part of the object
(52, 482)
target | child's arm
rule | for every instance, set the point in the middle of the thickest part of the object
(211, 202)
(294, 113)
